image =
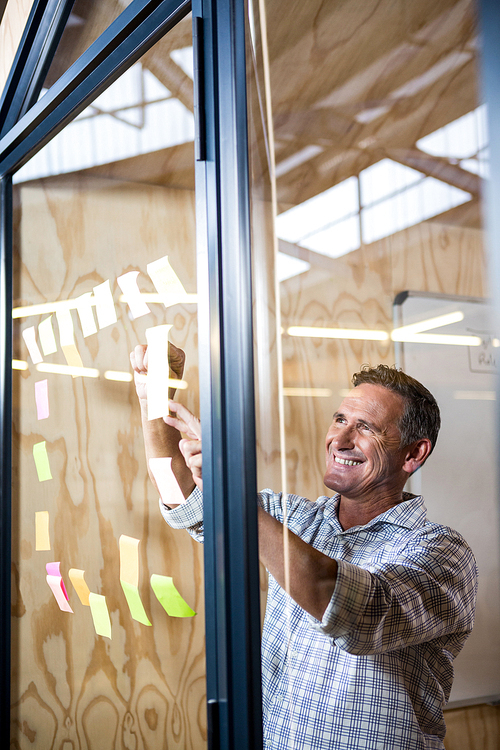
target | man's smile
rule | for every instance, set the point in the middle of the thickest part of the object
(346, 461)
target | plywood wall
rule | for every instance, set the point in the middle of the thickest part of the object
(144, 688)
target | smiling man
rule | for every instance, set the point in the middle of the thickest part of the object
(358, 652)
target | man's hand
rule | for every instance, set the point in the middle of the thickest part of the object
(139, 362)
(190, 447)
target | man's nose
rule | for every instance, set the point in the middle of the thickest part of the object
(342, 437)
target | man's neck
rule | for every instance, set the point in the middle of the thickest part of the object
(360, 511)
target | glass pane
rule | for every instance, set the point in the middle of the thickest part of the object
(105, 259)
(90, 18)
(380, 147)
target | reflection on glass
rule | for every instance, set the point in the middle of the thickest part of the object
(105, 252)
(380, 143)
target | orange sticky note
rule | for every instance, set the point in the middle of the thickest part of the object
(77, 578)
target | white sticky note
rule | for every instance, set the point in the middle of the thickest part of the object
(86, 314)
(46, 336)
(128, 285)
(104, 305)
(66, 330)
(167, 484)
(158, 371)
(165, 279)
(30, 341)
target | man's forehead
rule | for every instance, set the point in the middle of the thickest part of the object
(374, 401)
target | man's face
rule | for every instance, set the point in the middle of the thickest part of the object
(363, 453)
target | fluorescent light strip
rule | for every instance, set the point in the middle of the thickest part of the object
(338, 333)
(19, 364)
(314, 392)
(121, 377)
(172, 383)
(72, 304)
(84, 372)
(436, 338)
(428, 325)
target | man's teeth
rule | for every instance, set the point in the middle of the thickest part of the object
(346, 462)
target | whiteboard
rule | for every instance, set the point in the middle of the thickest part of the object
(459, 482)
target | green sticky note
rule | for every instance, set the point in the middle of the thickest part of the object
(100, 614)
(134, 602)
(41, 461)
(169, 598)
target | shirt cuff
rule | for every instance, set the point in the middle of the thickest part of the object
(350, 598)
(187, 514)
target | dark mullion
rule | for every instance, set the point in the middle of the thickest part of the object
(5, 451)
(41, 36)
(140, 26)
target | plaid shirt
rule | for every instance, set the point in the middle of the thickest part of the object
(376, 672)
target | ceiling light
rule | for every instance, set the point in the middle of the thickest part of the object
(84, 372)
(122, 377)
(18, 364)
(314, 392)
(338, 333)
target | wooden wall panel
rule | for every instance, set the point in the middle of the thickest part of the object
(144, 688)
(11, 30)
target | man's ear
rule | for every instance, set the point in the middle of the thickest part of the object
(416, 454)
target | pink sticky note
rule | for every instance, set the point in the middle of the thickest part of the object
(167, 484)
(59, 591)
(30, 341)
(42, 398)
(54, 572)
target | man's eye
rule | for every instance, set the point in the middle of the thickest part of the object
(365, 427)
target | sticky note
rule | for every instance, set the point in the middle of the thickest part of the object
(129, 559)
(158, 371)
(54, 569)
(168, 487)
(104, 305)
(165, 279)
(100, 614)
(72, 356)
(66, 330)
(42, 537)
(86, 314)
(134, 602)
(169, 598)
(46, 335)
(128, 284)
(30, 341)
(41, 461)
(42, 399)
(77, 578)
(56, 583)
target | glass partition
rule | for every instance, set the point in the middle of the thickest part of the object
(380, 148)
(108, 603)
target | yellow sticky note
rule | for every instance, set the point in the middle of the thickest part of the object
(41, 461)
(72, 355)
(169, 598)
(129, 560)
(158, 371)
(134, 602)
(46, 336)
(42, 538)
(77, 578)
(100, 614)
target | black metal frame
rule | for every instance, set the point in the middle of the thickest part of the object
(231, 548)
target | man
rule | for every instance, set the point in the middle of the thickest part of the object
(359, 653)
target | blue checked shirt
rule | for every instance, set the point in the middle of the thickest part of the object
(376, 672)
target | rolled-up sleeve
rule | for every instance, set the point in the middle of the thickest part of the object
(429, 592)
(187, 516)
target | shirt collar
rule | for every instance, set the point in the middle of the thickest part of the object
(411, 513)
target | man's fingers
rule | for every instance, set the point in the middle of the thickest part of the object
(139, 359)
(184, 421)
